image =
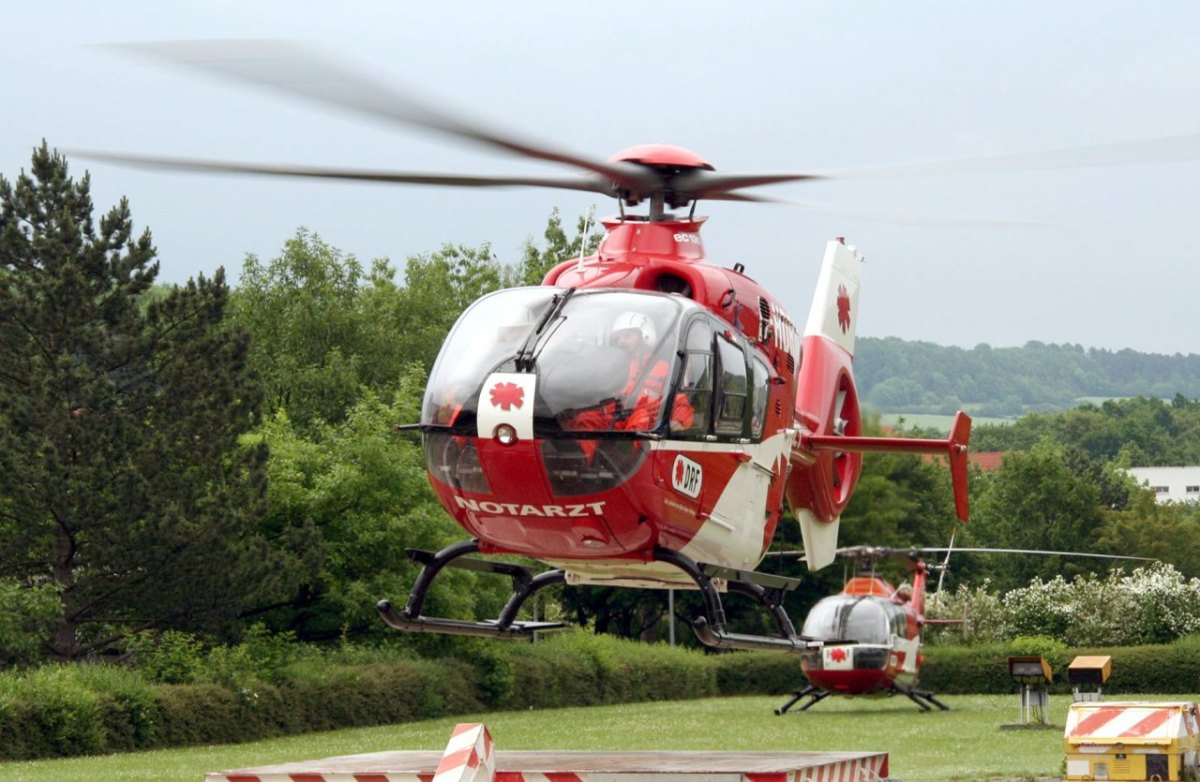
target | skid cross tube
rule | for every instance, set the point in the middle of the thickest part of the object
(710, 628)
(525, 585)
(812, 692)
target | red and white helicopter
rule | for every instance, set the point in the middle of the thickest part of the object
(870, 632)
(640, 418)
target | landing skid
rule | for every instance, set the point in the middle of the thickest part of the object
(923, 698)
(525, 586)
(710, 628)
(814, 695)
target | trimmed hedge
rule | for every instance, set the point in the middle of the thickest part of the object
(90, 709)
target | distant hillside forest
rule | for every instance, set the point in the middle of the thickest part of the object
(895, 375)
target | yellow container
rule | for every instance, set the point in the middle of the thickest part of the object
(1143, 740)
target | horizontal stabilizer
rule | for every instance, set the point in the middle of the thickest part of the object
(954, 447)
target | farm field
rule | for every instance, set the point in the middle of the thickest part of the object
(966, 743)
(937, 422)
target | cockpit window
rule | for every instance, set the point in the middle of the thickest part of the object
(696, 386)
(732, 394)
(484, 340)
(604, 360)
(762, 391)
(849, 618)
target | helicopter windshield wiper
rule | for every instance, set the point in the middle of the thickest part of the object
(526, 358)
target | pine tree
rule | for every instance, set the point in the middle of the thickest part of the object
(122, 483)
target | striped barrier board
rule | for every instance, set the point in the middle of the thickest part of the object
(1129, 722)
(470, 757)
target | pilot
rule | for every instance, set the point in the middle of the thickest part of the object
(904, 592)
(634, 333)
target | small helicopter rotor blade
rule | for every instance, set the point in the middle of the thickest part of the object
(295, 70)
(1040, 552)
(1168, 149)
(591, 184)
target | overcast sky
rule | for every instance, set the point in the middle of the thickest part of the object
(1104, 257)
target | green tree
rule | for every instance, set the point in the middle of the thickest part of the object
(437, 288)
(1036, 501)
(121, 481)
(1168, 532)
(356, 495)
(301, 310)
(536, 262)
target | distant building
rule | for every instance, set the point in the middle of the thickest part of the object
(1170, 484)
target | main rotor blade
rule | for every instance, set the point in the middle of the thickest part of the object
(295, 70)
(710, 185)
(591, 184)
(1168, 149)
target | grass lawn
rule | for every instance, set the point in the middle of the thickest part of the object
(965, 743)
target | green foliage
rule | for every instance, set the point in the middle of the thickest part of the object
(121, 480)
(895, 375)
(1052, 649)
(89, 709)
(1168, 532)
(1154, 604)
(978, 613)
(579, 668)
(49, 713)
(303, 312)
(27, 613)
(358, 494)
(757, 673)
(1034, 501)
(172, 657)
(495, 670)
(535, 262)
(1131, 432)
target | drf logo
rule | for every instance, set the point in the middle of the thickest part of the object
(687, 477)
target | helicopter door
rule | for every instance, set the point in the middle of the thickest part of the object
(738, 516)
(696, 385)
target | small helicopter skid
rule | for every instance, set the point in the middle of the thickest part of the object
(711, 627)
(814, 694)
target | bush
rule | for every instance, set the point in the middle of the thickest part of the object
(54, 714)
(758, 673)
(71, 710)
(1154, 604)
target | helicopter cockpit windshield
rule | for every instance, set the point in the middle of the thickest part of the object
(853, 618)
(604, 359)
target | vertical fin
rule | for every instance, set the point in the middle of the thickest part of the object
(834, 312)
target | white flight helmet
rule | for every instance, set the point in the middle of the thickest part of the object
(638, 321)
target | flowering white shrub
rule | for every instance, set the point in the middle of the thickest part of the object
(978, 615)
(1152, 605)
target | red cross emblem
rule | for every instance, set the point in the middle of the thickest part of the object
(838, 655)
(506, 396)
(843, 307)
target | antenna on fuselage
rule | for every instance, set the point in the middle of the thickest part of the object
(583, 237)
